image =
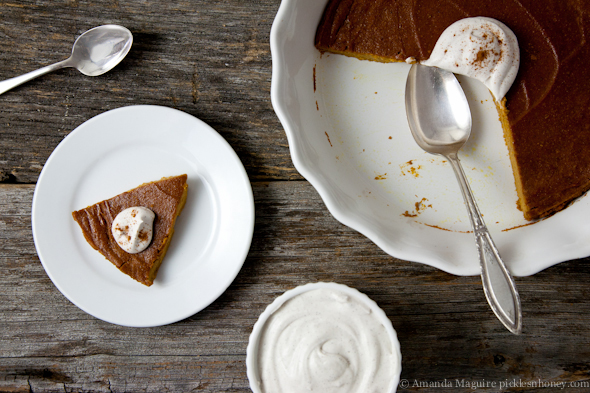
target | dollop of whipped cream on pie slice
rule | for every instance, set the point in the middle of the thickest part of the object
(481, 48)
(133, 229)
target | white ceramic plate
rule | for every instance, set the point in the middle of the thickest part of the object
(119, 150)
(348, 135)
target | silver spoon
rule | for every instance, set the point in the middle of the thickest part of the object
(440, 121)
(95, 52)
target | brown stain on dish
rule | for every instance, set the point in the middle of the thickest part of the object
(441, 228)
(523, 225)
(419, 208)
(436, 227)
(381, 177)
(314, 79)
(328, 136)
(450, 230)
(421, 205)
(410, 169)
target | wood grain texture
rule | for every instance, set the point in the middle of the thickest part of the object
(212, 59)
(208, 58)
(444, 324)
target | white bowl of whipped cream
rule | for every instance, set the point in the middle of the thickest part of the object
(323, 337)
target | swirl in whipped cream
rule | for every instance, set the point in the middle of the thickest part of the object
(325, 341)
(481, 48)
(133, 229)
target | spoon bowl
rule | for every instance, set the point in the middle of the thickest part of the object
(440, 120)
(100, 49)
(95, 52)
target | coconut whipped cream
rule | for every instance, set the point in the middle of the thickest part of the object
(133, 229)
(481, 48)
(324, 340)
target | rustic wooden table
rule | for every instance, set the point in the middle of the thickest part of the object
(211, 59)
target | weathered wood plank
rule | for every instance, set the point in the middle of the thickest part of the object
(208, 58)
(443, 322)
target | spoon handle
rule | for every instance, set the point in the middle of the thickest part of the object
(498, 283)
(18, 80)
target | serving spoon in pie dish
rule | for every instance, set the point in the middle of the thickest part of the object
(440, 120)
(95, 52)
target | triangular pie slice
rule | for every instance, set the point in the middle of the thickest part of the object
(165, 197)
(545, 116)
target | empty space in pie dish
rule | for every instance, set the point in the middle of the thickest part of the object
(363, 104)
